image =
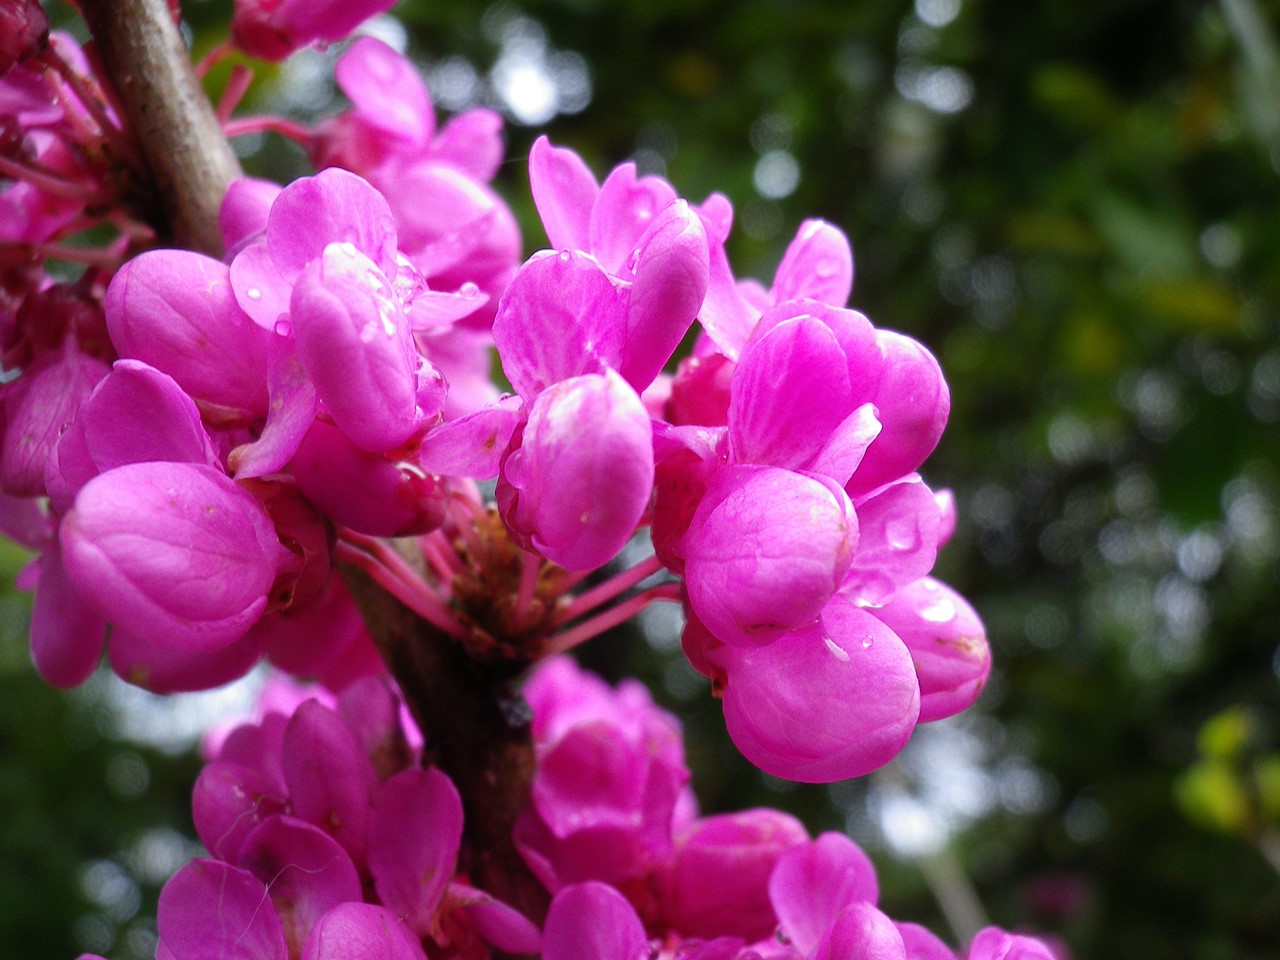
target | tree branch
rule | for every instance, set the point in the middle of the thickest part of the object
(190, 161)
(476, 731)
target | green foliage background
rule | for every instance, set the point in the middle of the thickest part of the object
(1077, 206)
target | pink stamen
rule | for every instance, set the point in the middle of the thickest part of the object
(50, 182)
(615, 585)
(419, 600)
(296, 132)
(237, 86)
(568, 639)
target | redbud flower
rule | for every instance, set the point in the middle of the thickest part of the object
(174, 554)
(581, 479)
(273, 29)
(452, 226)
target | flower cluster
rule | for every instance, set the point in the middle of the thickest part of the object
(205, 451)
(327, 841)
(638, 873)
(247, 421)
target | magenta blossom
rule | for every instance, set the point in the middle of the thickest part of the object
(273, 29)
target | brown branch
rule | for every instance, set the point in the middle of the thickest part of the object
(190, 161)
(476, 731)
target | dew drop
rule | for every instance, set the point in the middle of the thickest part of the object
(253, 293)
(349, 248)
(903, 535)
(468, 290)
(284, 328)
(565, 256)
(866, 643)
(940, 611)
(836, 650)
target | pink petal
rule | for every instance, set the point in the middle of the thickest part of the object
(472, 445)
(790, 390)
(457, 230)
(307, 873)
(700, 391)
(623, 211)
(173, 551)
(155, 663)
(361, 931)
(813, 883)
(213, 911)
(353, 340)
(847, 445)
(669, 284)
(24, 520)
(727, 316)
(913, 401)
(176, 310)
(826, 703)
(818, 265)
(592, 921)
(414, 835)
(228, 801)
(66, 635)
(584, 473)
(292, 408)
(330, 779)
(947, 516)
(373, 711)
(898, 541)
(864, 932)
(992, 943)
(947, 642)
(365, 492)
(134, 415)
(765, 551)
(37, 408)
(386, 90)
(260, 289)
(921, 944)
(334, 206)
(501, 926)
(243, 214)
(561, 317)
(719, 877)
(564, 191)
(472, 142)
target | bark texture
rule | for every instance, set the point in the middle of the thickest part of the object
(191, 163)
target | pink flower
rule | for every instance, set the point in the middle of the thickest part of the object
(452, 226)
(133, 527)
(273, 29)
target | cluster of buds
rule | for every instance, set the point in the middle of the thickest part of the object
(250, 420)
(327, 841)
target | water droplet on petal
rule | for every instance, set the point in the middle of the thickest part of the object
(468, 290)
(349, 248)
(903, 535)
(940, 611)
(566, 256)
(866, 643)
(284, 328)
(836, 650)
(253, 293)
